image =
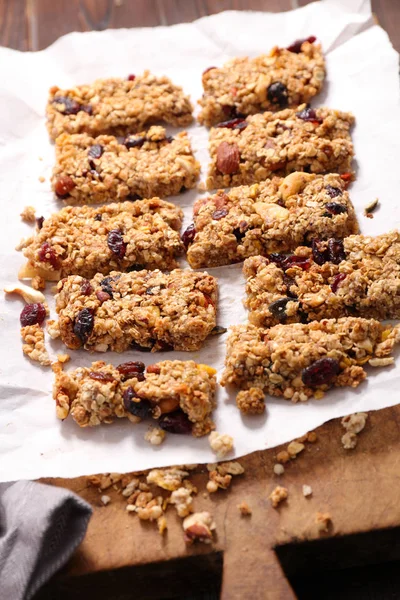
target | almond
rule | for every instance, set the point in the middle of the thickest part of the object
(228, 158)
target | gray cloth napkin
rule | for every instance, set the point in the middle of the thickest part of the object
(40, 527)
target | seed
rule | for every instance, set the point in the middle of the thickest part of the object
(217, 330)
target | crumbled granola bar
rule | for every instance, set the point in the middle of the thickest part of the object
(100, 393)
(251, 402)
(353, 424)
(278, 495)
(199, 527)
(34, 346)
(349, 440)
(277, 215)
(155, 436)
(28, 214)
(85, 240)
(299, 361)
(279, 143)
(221, 443)
(244, 509)
(363, 279)
(91, 170)
(146, 309)
(183, 501)
(117, 106)
(244, 86)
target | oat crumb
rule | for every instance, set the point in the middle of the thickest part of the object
(162, 524)
(212, 487)
(105, 500)
(283, 456)
(245, 509)
(28, 214)
(294, 448)
(307, 490)
(34, 346)
(311, 437)
(155, 436)
(323, 520)
(251, 402)
(349, 440)
(63, 358)
(221, 443)
(278, 495)
(183, 501)
(279, 469)
(354, 423)
(38, 283)
(42, 179)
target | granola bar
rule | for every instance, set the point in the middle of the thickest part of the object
(176, 393)
(117, 106)
(263, 145)
(245, 86)
(143, 309)
(359, 276)
(91, 170)
(299, 361)
(85, 240)
(273, 216)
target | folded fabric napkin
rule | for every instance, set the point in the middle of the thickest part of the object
(40, 527)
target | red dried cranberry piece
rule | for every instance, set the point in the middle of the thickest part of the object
(83, 324)
(99, 376)
(86, 288)
(175, 422)
(240, 232)
(334, 208)
(134, 141)
(277, 93)
(39, 222)
(320, 256)
(336, 281)
(296, 46)
(134, 368)
(87, 108)
(336, 251)
(98, 217)
(131, 77)
(63, 186)
(309, 114)
(106, 285)
(136, 346)
(333, 192)
(285, 262)
(188, 235)
(346, 177)
(116, 243)
(48, 254)
(278, 309)
(232, 112)
(32, 314)
(95, 151)
(71, 106)
(219, 214)
(134, 268)
(321, 372)
(136, 406)
(102, 296)
(234, 124)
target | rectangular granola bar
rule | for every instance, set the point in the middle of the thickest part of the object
(283, 78)
(263, 145)
(85, 240)
(91, 170)
(299, 361)
(143, 309)
(359, 276)
(117, 106)
(173, 393)
(276, 215)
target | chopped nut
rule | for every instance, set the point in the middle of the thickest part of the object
(283, 456)
(307, 490)
(131, 508)
(105, 500)
(130, 487)
(251, 402)
(199, 527)
(221, 443)
(53, 329)
(149, 513)
(38, 283)
(278, 495)
(222, 481)
(143, 487)
(371, 206)
(230, 468)
(212, 487)
(28, 214)
(245, 509)
(295, 448)
(162, 524)
(349, 440)
(323, 520)
(183, 501)
(168, 479)
(63, 358)
(355, 423)
(279, 469)
(155, 436)
(381, 362)
(27, 293)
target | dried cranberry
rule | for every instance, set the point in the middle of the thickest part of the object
(63, 186)
(169, 139)
(286, 262)
(136, 406)
(133, 197)
(134, 368)
(164, 346)
(296, 46)
(39, 222)
(333, 192)
(309, 114)
(288, 281)
(32, 314)
(134, 268)
(99, 376)
(134, 141)
(277, 93)
(98, 217)
(278, 309)
(320, 256)
(115, 242)
(234, 124)
(321, 372)
(131, 77)
(336, 281)
(346, 177)
(188, 235)
(95, 151)
(336, 251)
(219, 214)
(232, 112)
(83, 324)
(137, 346)
(48, 254)
(335, 209)
(240, 232)
(71, 106)
(87, 108)
(106, 285)
(86, 288)
(175, 422)
(103, 296)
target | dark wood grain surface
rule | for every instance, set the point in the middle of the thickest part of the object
(34, 24)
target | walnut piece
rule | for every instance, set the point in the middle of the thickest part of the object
(279, 469)
(355, 423)
(199, 527)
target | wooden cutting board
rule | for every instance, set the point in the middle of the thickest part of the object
(256, 555)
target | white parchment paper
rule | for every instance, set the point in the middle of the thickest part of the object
(362, 78)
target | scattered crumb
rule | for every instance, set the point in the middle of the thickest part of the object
(53, 329)
(212, 487)
(251, 402)
(221, 443)
(28, 214)
(168, 479)
(323, 520)
(307, 490)
(202, 186)
(279, 469)
(38, 283)
(27, 293)
(34, 347)
(230, 467)
(151, 512)
(199, 527)
(349, 440)
(63, 358)
(221, 481)
(162, 524)
(130, 487)
(312, 437)
(155, 436)
(118, 3)
(294, 448)
(40, 157)
(42, 179)
(105, 500)
(283, 456)
(130, 508)
(183, 501)
(353, 424)
(370, 208)
(245, 509)
(381, 362)
(278, 495)
(22, 244)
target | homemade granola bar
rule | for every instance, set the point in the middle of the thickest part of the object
(359, 276)
(91, 170)
(179, 394)
(85, 240)
(273, 216)
(144, 309)
(263, 145)
(117, 106)
(244, 86)
(298, 361)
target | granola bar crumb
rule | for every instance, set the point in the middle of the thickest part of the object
(28, 214)
(349, 440)
(312, 437)
(199, 527)
(162, 524)
(355, 423)
(251, 402)
(323, 521)
(221, 443)
(42, 179)
(130, 508)
(278, 495)
(294, 448)
(105, 500)
(34, 347)
(63, 358)
(283, 456)
(307, 490)
(212, 487)
(155, 436)
(279, 469)
(245, 509)
(38, 283)
(183, 501)
(168, 479)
